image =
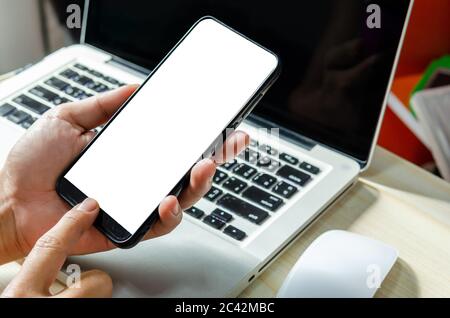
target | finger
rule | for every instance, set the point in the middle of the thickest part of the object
(199, 184)
(87, 137)
(170, 215)
(92, 284)
(233, 145)
(94, 111)
(203, 172)
(46, 258)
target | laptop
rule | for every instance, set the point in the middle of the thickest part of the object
(338, 61)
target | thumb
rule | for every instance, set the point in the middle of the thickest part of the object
(46, 258)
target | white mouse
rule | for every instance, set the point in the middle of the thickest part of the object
(339, 264)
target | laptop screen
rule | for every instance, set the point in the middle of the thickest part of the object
(337, 56)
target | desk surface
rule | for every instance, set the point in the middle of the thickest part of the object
(395, 202)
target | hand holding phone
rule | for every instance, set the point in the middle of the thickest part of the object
(209, 82)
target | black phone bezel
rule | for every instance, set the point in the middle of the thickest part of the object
(106, 224)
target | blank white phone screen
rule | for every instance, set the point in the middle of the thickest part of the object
(171, 121)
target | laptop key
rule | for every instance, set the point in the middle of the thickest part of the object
(213, 194)
(264, 180)
(284, 189)
(242, 208)
(274, 166)
(195, 212)
(289, 159)
(100, 88)
(249, 155)
(268, 164)
(31, 104)
(309, 167)
(235, 233)
(56, 83)
(43, 93)
(76, 92)
(294, 175)
(244, 170)
(264, 161)
(82, 80)
(219, 176)
(70, 74)
(69, 90)
(60, 100)
(95, 73)
(6, 109)
(254, 143)
(111, 80)
(28, 122)
(268, 150)
(229, 165)
(92, 85)
(263, 198)
(222, 215)
(234, 184)
(84, 96)
(81, 67)
(214, 222)
(18, 116)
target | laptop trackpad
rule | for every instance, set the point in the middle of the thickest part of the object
(189, 262)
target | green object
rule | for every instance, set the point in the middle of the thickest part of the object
(443, 62)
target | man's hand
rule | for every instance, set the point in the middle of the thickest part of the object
(47, 257)
(27, 181)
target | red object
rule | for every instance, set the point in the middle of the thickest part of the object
(427, 38)
(396, 137)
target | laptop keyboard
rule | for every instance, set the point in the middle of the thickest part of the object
(72, 83)
(251, 188)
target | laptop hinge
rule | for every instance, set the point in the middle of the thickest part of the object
(127, 66)
(293, 137)
(298, 139)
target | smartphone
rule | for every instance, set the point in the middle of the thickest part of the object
(210, 81)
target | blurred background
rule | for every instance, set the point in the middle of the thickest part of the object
(31, 29)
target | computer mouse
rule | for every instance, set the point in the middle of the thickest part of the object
(339, 264)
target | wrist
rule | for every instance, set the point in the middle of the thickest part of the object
(9, 248)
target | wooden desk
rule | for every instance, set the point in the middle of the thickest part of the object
(395, 202)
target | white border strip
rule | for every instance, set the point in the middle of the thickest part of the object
(407, 118)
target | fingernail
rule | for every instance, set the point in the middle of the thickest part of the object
(177, 210)
(209, 162)
(88, 205)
